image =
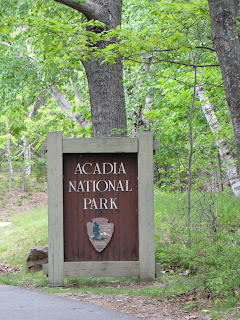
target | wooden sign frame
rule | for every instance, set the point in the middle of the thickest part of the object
(57, 269)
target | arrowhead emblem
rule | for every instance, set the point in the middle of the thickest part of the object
(100, 233)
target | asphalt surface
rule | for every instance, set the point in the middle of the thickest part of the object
(25, 304)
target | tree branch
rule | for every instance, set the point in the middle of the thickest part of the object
(90, 9)
(187, 64)
(173, 49)
(5, 44)
(174, 62)
(76, 91)
(66, 106)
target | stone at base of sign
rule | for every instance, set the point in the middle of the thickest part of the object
(100, 233)
(36, 257)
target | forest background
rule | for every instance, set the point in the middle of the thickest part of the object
(175, 85)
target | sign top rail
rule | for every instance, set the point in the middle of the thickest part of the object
(101, 145)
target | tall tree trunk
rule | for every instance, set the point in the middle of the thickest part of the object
(221, 177)
(148, 99)
(189, 229)
(105, 82)
(9, 161)
(1, 156)
(27, 168)
(226, 41)
(106, 98)
(222, 144)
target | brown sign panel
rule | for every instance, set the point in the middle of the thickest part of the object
(100, 207)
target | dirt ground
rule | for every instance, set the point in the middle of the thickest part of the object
(141, 307)
(20, 202)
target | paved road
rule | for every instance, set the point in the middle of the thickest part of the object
(24, 304)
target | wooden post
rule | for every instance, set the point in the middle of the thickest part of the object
(146, 207)
(55, 208)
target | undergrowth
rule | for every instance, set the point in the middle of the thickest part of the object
(214, 254)
(209, 269)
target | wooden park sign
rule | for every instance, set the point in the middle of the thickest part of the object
(100, 205)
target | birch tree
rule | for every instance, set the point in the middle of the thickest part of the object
(222, 143)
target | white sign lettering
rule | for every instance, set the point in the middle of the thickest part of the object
(100, 203)
(99, 185)
(104, 168)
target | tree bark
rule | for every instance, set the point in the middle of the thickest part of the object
(224, 150)
(105, 82)
(226, 41)
(189, 229)
(106, 98)
(9, 161)
(148, 100)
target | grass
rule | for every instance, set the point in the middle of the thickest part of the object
(27, 230)
(164, 287)
(25, 279)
